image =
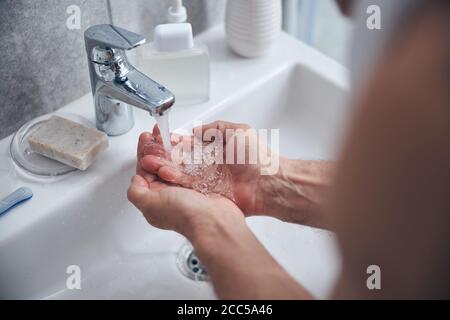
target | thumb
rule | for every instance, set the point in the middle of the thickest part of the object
(139, 193)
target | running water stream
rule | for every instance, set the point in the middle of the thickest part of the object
(164, 129)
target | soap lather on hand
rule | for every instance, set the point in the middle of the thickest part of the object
(68, 142)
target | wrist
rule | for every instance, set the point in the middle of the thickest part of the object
(296, 193)
(270, 188)
(217, 225)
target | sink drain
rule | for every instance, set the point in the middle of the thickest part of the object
(190, 265)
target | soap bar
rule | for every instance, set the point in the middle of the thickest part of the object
(68, 142)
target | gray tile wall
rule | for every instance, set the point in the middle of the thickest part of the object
(43, 63)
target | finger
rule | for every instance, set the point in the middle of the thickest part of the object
(155, 150)
(175, 176)
(222, 126)
(153, 163)
(158, 185)
(157, 134)
(149, 177)
(156, 131)
(139, 181)
(184, 142)
(140, 195)
(144, 139)
(175, 138)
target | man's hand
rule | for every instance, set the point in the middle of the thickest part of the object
(294, 194)
(244, 179)
(171, 207)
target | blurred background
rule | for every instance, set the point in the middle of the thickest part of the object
(320, 24)
(44, 64)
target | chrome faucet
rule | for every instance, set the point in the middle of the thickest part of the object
(116, 84)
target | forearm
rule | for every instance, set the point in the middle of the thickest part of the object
(239, 266)
(297, 193)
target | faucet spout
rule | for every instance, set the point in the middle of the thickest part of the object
(140, 91)
(116, 84)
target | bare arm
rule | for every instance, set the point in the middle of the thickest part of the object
(239, 266)
(391, 203)
(297, 193)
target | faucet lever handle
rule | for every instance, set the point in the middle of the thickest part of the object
(106, 36)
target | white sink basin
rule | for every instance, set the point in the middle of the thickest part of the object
(84, 219)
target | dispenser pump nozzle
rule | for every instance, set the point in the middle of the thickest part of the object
(177, 13)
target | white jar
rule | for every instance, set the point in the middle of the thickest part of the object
(252, 26)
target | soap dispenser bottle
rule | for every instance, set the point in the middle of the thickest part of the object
(177, 63)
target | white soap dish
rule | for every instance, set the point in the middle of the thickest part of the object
(33, 162)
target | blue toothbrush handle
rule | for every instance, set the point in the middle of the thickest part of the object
(18, 196)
